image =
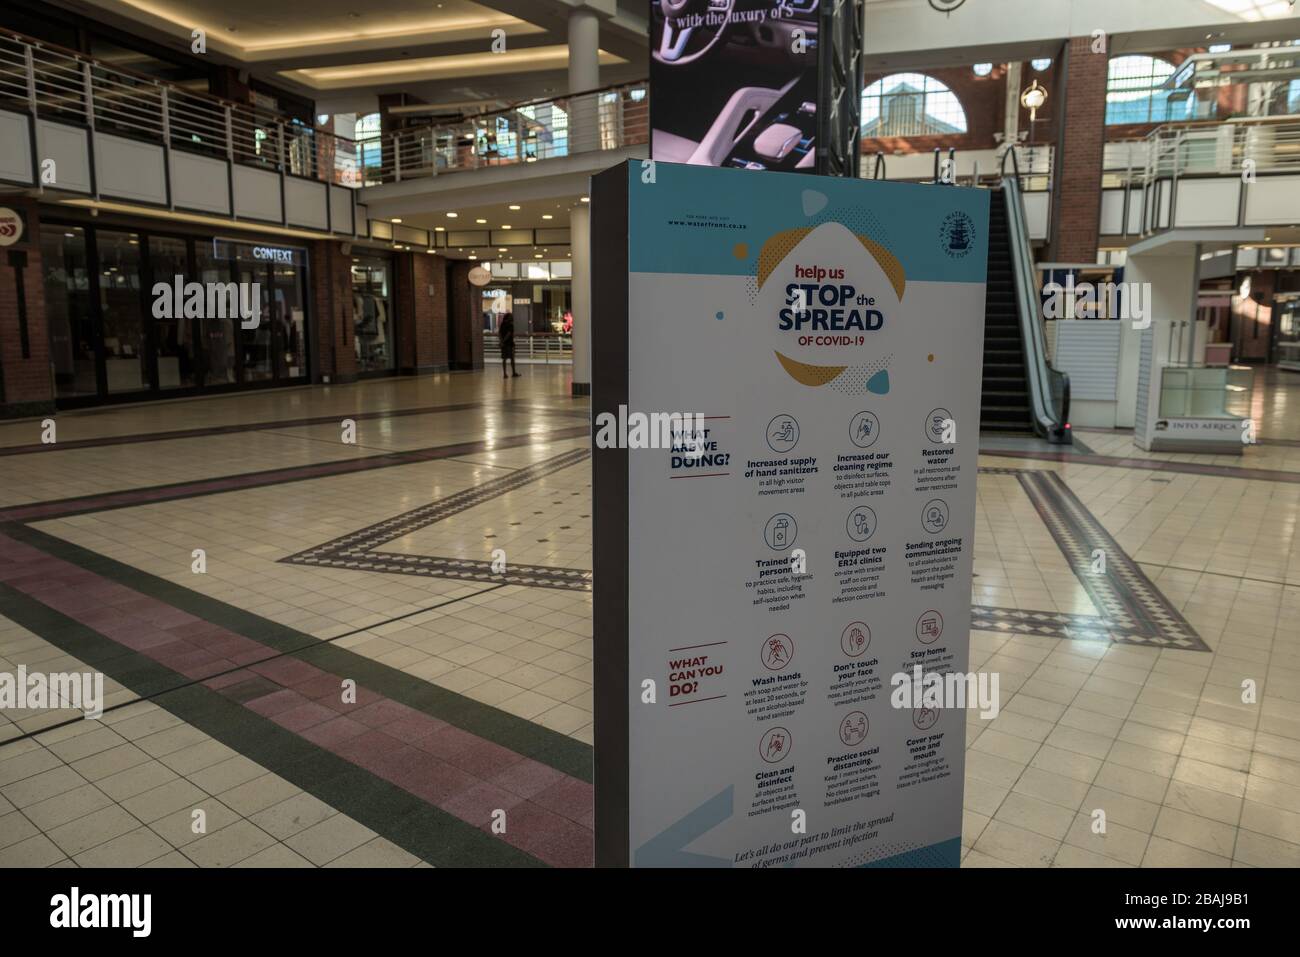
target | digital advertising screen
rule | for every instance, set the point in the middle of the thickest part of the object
(734, 83)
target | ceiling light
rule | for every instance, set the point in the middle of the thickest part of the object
(585, 199)
(439, 229)
(547, 216)
(506, 226)
(514, 206)
(451, 215)
(397, 219)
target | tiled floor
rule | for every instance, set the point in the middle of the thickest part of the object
(348, 680)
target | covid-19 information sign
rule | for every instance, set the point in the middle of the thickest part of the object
(786, 386)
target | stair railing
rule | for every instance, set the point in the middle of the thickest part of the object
(1049, 388)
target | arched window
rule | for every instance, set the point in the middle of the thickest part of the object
(910, 104)
(1135, 91)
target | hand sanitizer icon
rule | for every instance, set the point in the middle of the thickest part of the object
(779, 533)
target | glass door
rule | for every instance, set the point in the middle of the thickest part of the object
(174, 341)
(74, 344)
(255, 344)
(121, 301)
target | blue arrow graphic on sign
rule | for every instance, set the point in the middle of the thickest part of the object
(665, 849)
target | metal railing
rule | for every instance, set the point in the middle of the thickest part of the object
(605, 119)
(53, 83)
(1049, 388)
(1269, 144)
(542, 347)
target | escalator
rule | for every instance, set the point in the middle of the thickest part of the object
(1022, 394)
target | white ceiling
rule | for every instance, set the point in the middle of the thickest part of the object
(437, 51)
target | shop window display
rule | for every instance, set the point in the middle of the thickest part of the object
(372, 311)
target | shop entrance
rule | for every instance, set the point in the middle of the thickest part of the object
(106, 343)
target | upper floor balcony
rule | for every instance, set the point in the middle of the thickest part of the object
(86, 132)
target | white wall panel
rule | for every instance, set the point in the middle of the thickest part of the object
(341, 210)
(130, 169)
(1207, 202)
(1037, 208)
(15, 148)
(304, 202)
(1112, 212)
(257, 194)
(200, 182)
(69, 147)
(1273, 200)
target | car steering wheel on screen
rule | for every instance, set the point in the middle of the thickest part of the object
(672, 45)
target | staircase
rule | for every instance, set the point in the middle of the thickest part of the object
(1004, 406)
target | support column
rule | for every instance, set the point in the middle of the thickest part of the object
(584, 75)
(580, 242)
(333, 336)
(26, 386)
(1076, 173)
(421, 313)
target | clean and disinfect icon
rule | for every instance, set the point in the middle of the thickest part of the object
(863, 429)
(774, 745)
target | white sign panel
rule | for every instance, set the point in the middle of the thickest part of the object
(804, 540)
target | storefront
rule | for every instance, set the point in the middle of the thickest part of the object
(373, 315)
(537, 293)
(108, 342)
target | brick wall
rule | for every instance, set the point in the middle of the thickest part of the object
(1076, 200)
(25, 384)
(332, 338)
(422, 315)
(465, 318)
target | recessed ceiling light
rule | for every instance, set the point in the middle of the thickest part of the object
(472, 256)
(480, 220)
(547, 216)
(397, 219)
(507, 226)
(537, 255)
(451, 215)
(439, 229)
(514, 206)
(501, 250)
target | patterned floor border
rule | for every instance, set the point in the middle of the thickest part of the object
(1133, 609)
(359, 550)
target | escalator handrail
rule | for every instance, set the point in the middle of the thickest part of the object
(1049, 420)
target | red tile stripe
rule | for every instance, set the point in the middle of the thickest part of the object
(549, 814)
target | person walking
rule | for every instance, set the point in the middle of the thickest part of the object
(506, 336)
